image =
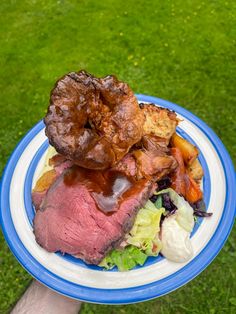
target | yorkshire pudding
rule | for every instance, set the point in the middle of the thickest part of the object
(93, 121)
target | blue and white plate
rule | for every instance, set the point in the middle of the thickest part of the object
(71, 276)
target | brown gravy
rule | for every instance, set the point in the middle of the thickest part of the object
(106, 187)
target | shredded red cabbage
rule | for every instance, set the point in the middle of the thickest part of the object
(168, 204)
(201, 213)
(164, 183)
(153, 198)
(200, 209)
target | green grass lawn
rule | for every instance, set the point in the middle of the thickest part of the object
(183, 51)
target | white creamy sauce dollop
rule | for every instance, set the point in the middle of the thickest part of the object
(176, 244)
(175, 235)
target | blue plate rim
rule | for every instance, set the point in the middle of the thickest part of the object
(135, 294)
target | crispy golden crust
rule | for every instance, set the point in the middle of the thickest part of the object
(159, 122)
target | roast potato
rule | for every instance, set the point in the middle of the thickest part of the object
(188, 150)
(195, 170)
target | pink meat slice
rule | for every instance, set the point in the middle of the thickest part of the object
(60, 163)
(69, 220)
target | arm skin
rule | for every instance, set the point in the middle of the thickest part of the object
(41, 300)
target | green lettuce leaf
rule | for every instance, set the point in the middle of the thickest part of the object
(141, 242)
(144, 233)
(125, 259)
(158, 202)
(184, 213)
